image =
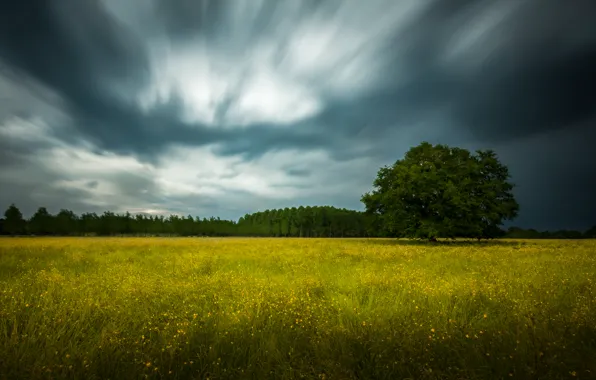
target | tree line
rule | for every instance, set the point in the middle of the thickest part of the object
(300, 221)
(434, 191)
(318, 221)
(530, 233)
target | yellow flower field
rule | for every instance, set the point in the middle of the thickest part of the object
(127, 308)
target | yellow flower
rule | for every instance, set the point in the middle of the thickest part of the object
(148, 364)
(433, 330)
(485, 316)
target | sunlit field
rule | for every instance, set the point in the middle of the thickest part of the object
(127, 308)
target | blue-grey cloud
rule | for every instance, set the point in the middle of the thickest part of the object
(286, 101)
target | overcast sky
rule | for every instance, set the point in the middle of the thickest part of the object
(228, 107)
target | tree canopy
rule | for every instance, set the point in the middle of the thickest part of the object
(14, 224)
(440, 191)
(320, 221)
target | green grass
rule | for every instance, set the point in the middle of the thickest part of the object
(128, 308)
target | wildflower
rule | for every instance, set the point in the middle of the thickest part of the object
(148, 364)
(485, 316)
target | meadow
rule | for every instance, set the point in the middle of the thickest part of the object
(232, 308)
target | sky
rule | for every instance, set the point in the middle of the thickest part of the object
(228, 107)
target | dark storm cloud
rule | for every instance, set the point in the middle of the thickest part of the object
(30, 186)
(54, 200)
(187, 18)
(79, 50)
(73, 46)
(253, 143)
(476, 73)
(553, 177)
(538, 74)
(297, 172)
(538, 77)
(553, 95)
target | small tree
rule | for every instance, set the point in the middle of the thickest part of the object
(438, 191)
(14, 224)
(41, 223)
(66, 222)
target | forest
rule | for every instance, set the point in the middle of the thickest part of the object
(317, 221)
(434, 191)
(288, 222)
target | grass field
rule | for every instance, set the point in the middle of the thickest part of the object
(127, 308)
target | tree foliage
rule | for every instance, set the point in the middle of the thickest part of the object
(520, 233)
(13, 224)
(439, 191)
(41, 223)
(289, 222)
(318, 221)
(590, 233)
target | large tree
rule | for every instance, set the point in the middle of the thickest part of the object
(440, 191)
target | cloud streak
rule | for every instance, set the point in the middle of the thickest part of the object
(224, 107)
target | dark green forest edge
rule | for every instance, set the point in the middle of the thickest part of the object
(435, 191)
